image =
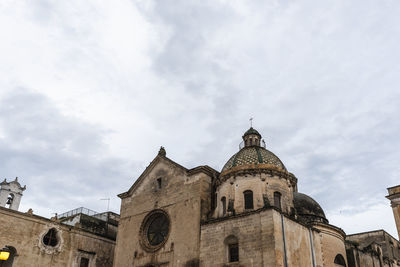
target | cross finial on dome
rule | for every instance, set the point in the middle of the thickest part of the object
(251, 122)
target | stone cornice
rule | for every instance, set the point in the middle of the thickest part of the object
(250, 212)
(393, 196)
(252, 169)
(203, 169)
(331, 227)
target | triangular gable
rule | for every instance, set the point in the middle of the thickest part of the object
(162, 156)
(148, 169)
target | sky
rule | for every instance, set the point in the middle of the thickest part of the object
(90, 90)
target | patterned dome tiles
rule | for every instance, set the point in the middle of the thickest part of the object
(253, 155)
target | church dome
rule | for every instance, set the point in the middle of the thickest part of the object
(253, 155)
(307, 208)
(253, 152)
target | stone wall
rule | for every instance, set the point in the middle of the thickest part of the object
(262, 243)
(368, 245)
(183, 196)
(299, 250)
(390, 246)
(25, 233)
(255, 236)
(332, 243)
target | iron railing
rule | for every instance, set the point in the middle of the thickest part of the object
(77, 211)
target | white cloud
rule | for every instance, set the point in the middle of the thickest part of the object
(123, 78)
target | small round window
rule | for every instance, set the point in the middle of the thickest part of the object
(50, 238)
(155, 229)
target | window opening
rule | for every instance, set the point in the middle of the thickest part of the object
(50, 239)
(277, 200)
(248, 199)
(159, 183)
(215, 200)
(391, 248)
(233, 252)
(157, 229)
(84, 262)
(10, 200)
(339, 260)
(223, 202)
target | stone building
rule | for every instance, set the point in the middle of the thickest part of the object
(248, 214)
(374, 248)
(40, 242)
(74, 239)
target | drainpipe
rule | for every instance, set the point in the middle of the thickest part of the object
(312, 248)
(284, 242)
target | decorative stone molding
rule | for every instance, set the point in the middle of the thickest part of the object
(49, 249)
(254, 170)
(144, 242)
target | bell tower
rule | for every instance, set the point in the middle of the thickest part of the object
(11, 193)
(394, 197)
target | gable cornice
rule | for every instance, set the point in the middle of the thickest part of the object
(204, 169)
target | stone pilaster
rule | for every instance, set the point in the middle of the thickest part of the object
(394, 197)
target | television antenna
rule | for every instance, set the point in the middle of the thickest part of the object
(108, 203)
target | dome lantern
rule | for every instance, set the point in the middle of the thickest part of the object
(251, 137)
(252, 152)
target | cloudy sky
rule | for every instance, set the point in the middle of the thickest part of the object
(89, 91)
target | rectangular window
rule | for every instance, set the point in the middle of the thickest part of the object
(248, 199)
(84, 262)
(233, 252)
(159, 183)
(223, 201)
(277, 200)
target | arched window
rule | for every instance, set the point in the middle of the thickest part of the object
(232, 244)
(50, 238)
(277, 200)
(248, 199)
(223, 203)
(339, 260)
(10, 200)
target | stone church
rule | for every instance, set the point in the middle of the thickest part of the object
(249, 214)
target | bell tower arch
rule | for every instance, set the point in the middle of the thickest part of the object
(11, 194)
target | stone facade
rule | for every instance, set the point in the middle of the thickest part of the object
(244, 216)
(183, 195)
(26, 234)
(375, 248)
